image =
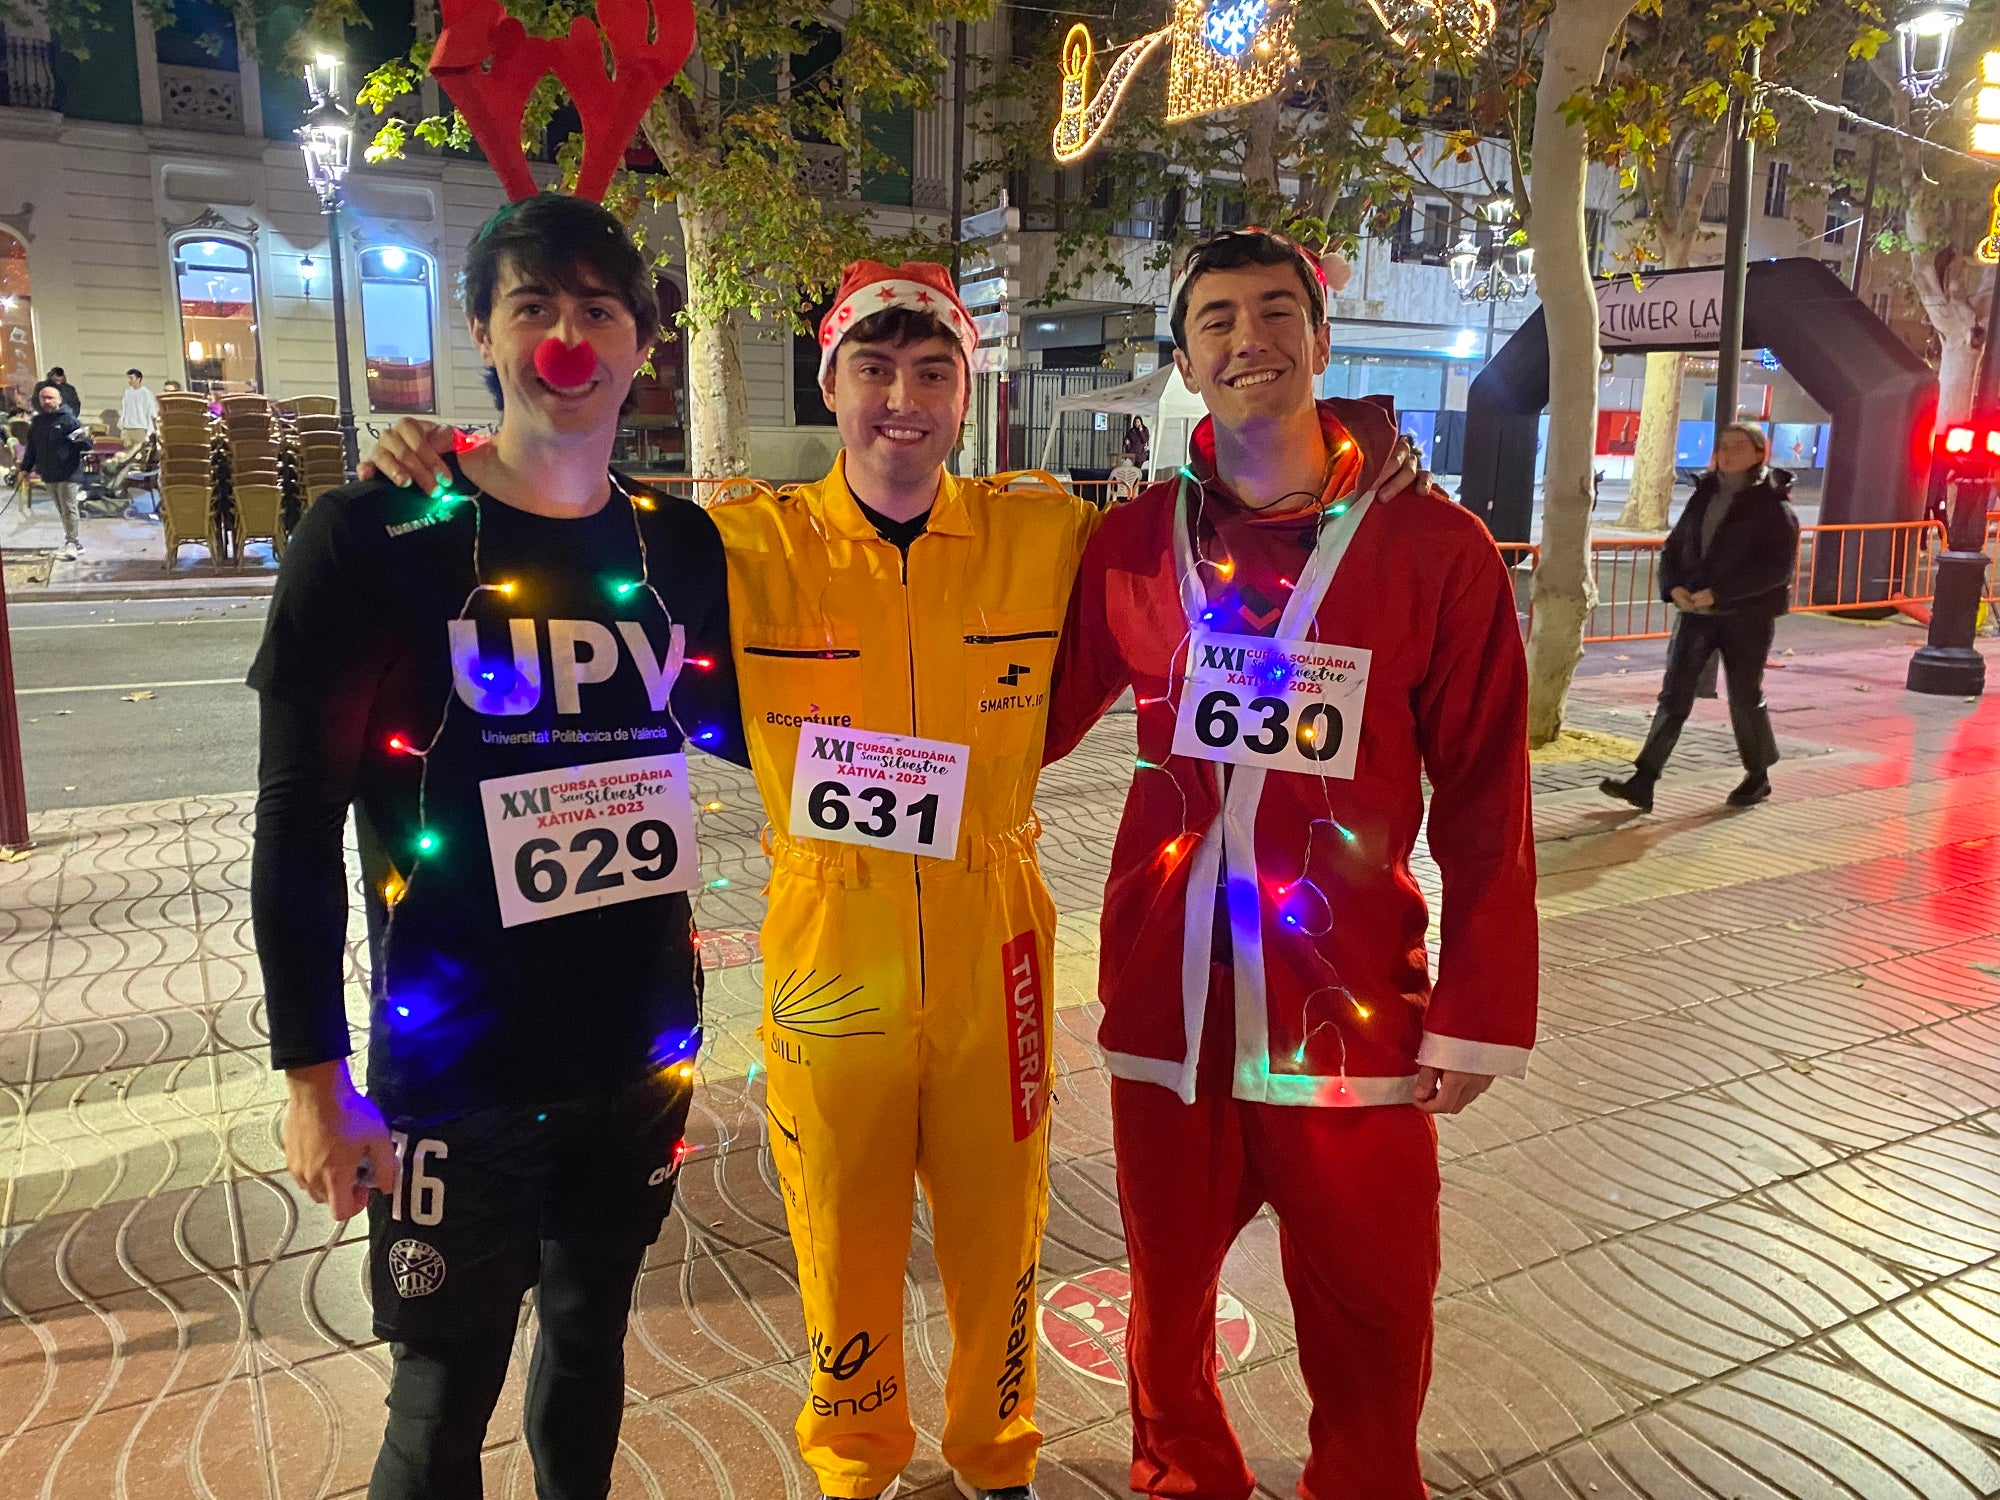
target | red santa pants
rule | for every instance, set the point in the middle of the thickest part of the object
(1356, 1195)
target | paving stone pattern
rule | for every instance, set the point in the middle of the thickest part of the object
(1735, 1237)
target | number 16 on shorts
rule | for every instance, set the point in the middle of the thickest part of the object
(1280, 705)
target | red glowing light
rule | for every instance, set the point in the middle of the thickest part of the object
(705, 663)
(1958, 440)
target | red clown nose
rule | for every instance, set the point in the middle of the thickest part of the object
(564, 365)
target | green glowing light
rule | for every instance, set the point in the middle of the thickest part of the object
(427, 842)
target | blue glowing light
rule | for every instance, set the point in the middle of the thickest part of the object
(403, 1011)
(1230, 29)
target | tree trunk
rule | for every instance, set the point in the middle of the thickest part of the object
(1260, 145)
(1958, 361)
(1652, 492)
(1579, 32)
(718, 402)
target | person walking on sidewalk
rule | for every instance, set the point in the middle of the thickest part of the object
(1727, 569)
(56, 445)
(138, 411)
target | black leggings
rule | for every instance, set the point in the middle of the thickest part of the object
(1743, 642)
(442, 1393)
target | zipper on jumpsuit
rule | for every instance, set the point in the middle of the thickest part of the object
(916, 861)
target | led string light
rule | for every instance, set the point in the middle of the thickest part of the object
(396, 886)
(1302, 888)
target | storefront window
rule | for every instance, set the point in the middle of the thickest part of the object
(218, 293)
(396, 318)
(19, 367)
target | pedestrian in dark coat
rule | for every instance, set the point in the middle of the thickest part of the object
(1727, 569)
(55, 448)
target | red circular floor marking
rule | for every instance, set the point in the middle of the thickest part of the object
(1083, 1321)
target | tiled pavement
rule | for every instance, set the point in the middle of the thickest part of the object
(1735, 1237)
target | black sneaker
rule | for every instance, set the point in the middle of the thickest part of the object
(1753, 789)
(1636, 790)
(972, 1491)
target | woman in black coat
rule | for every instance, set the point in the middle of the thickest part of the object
(1727, 568)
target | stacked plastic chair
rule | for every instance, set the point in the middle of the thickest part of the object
(189, 443)
(256, 487)
(318, 458)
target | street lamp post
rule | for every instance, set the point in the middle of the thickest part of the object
(1948, 662)
(1508, 273)
(327, 142)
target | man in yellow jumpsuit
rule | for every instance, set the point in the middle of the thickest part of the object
(907, 1009)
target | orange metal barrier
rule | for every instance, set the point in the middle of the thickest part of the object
(701, 491)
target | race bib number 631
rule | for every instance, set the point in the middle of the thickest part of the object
(881, 791)
(586, 836)
(1282, 705)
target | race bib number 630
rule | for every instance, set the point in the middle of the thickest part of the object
(586, 836)
(1282, 705)
(881, 791)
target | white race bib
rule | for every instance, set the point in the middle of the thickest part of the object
(1282, 705)
(881, 791)
(587, 836)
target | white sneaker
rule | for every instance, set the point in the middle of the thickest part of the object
(70, 552)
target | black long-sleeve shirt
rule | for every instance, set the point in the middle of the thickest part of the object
(395, 680)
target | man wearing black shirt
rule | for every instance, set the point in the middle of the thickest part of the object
(500, 678)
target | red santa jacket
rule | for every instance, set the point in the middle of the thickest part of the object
(1321, 920)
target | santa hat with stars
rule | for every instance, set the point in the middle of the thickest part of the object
(869, 287)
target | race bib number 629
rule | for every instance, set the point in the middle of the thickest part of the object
(881, 791)
(1282, 705)
(587, 836)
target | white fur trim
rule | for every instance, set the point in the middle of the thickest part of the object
(880, 296)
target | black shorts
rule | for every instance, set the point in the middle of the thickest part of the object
(453, 1251)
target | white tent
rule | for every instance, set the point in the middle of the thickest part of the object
(1169, 408)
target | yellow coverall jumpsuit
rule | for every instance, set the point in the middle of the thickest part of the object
(907, 1002)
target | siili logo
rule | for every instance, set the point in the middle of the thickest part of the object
(1014, 673)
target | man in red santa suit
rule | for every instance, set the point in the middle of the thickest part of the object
(1304, 654)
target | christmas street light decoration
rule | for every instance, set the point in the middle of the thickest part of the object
(1422, 25)
(1222, 54)
(1986, 108)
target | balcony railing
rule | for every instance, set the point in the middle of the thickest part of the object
(201, 99)
(27, 74)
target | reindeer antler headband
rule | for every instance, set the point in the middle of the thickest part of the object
(489, 65)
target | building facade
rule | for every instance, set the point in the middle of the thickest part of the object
(155, 214)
